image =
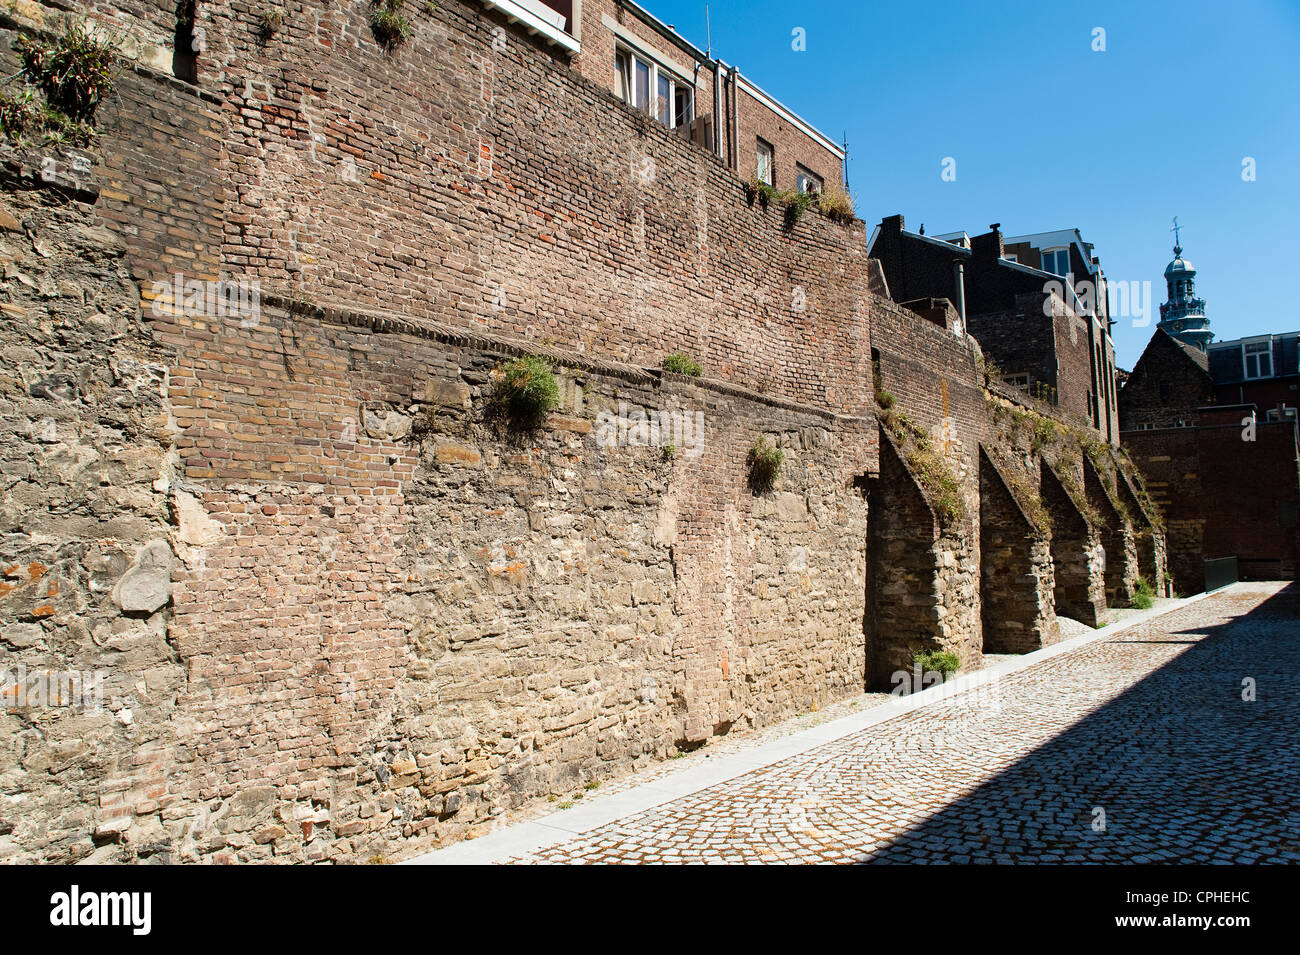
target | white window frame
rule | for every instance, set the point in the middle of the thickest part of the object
(803, 173)
(1054, 252)
(651, 108)
(1262, 352)
(763, 148)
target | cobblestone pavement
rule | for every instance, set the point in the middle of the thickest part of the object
(1130, 749)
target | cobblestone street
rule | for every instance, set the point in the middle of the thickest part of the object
(1132, 748)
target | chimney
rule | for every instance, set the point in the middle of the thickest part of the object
(989, 245)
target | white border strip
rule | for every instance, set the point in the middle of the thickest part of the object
(563, 825)
(534, 24)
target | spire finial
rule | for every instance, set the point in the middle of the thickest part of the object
(1178, 246)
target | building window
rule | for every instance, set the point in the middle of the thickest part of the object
(1056, 261)
(1281, 414)
(683, 104)
(766, 163)
(645, 85)
(1258, 358)
(1020, 381)
(807, 181)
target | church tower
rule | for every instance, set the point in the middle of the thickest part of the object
(1183, 314)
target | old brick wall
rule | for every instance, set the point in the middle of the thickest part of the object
(1167, 385)
(497, 187)
(1170, 459)
(475, 619)
(1251, 498)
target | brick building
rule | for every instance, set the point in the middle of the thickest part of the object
(1213, 426)
(1037, 304)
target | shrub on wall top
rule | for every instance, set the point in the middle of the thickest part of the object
(71, 73)
(682, 364)
(526, 391)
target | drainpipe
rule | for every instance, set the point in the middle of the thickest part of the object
(735, 120)
(718, 108)
(959, 282)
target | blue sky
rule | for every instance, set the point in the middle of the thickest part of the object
(1048, 134)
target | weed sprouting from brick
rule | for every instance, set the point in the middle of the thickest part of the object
(525, 393)
(681, 363)
(72, 73)
(269, 21)
(388, 24)
(765, 461)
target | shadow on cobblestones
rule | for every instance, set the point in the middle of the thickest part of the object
(1182, 766)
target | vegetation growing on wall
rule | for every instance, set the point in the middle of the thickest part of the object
(269, 21)
(1138, 482)
(525, 392)
(682, 364)
(388, 24)
(765, 461)
(931, 470)
(1029, 499)
(835, 204)
(64, 80)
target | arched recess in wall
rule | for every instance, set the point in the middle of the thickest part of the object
(185, 54)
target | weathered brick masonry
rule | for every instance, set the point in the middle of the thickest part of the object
(343, 612)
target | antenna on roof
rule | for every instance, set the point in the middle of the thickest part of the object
(708, 34)
(846, 161)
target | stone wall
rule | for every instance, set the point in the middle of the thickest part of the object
(85, 536)
(1078, 554)
(922, 577)
(343, 611)
(1017, 581)
(499, 616)
(386, 621)
(1116, 531)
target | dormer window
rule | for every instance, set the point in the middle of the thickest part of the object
(1258, 359)
(1056, 261)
